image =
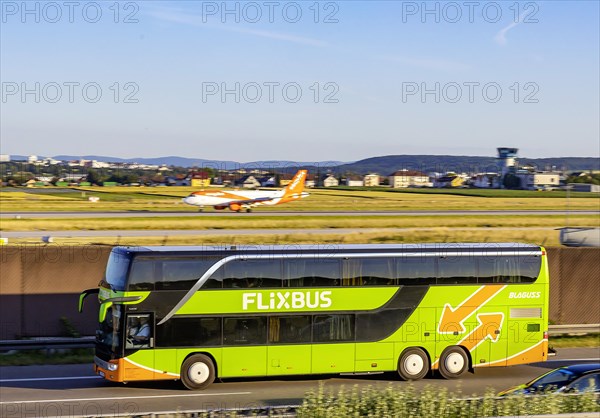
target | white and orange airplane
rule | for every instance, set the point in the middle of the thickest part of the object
(239, 200)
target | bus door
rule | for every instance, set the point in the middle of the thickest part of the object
(244, 346)
(333, 349)
(139, 344)
(289, 350)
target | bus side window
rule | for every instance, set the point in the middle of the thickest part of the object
(182, 273)
(457, 269)
(313, 272)
(333, 328)
(509, 269)
(142, 275)
(189, 332)
(215, 281)
(499, 269)
(289, 329)
(368, 271)
(244, 331)
(253, 273)
(139, 331)
(418, 270)
(529, 268)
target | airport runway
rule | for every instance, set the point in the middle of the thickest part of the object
(258, 212)
(237, 232)
(72, 390)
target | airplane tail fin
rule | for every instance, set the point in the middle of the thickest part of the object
(296, 186)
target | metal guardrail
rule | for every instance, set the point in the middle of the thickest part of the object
(88, 342)
(47, 343)
(574, 329)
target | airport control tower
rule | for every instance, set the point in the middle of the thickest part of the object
(507, 157)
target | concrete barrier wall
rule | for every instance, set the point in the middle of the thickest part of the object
(574, 285)
(41, 284)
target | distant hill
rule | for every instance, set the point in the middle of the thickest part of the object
(197, 162)
(471, 164)
(383, 165)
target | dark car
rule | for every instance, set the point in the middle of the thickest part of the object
(576, 378)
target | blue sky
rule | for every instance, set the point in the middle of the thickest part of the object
(523, 74)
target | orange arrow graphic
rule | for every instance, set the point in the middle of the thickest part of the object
(452, 320)
(489, 327)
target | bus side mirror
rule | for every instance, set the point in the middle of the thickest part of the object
(109, 302)
(103, 309)
(84, 295)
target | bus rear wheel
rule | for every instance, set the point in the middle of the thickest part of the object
(413, 364)
(453, 362)
(197, 372)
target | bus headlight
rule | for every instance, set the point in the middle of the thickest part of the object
(112, 367)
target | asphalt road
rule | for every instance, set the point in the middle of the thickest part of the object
(237, 232)
(258, 212)
(71, 390)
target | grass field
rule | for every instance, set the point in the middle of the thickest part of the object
(169, 199)
(302, 222)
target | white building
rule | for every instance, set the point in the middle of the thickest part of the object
(330, 181)
(409, 178)
(371, 180)
(4, 158)
(486, 181)
(354, 181)
(539, 180)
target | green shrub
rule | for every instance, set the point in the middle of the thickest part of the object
(407, 402)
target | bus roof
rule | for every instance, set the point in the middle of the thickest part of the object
(328, 248)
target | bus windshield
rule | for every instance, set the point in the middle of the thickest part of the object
(116, 271)
(109, 332)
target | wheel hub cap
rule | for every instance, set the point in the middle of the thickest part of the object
(413, 364)
(199, 373)
(455, 363)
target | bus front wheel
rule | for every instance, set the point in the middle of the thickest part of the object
(197, 372)
(453, 362)
(413, 364)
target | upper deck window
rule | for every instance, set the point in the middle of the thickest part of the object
(509, 269)
(167, 273)
(415, 270)
(368, 271)
(252, 273)
(316, 272)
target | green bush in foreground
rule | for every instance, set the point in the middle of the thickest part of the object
(436, 402)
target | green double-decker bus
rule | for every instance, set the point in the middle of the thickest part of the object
(197, 313)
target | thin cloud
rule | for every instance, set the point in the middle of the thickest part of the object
(500, 37)
(176, 17)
